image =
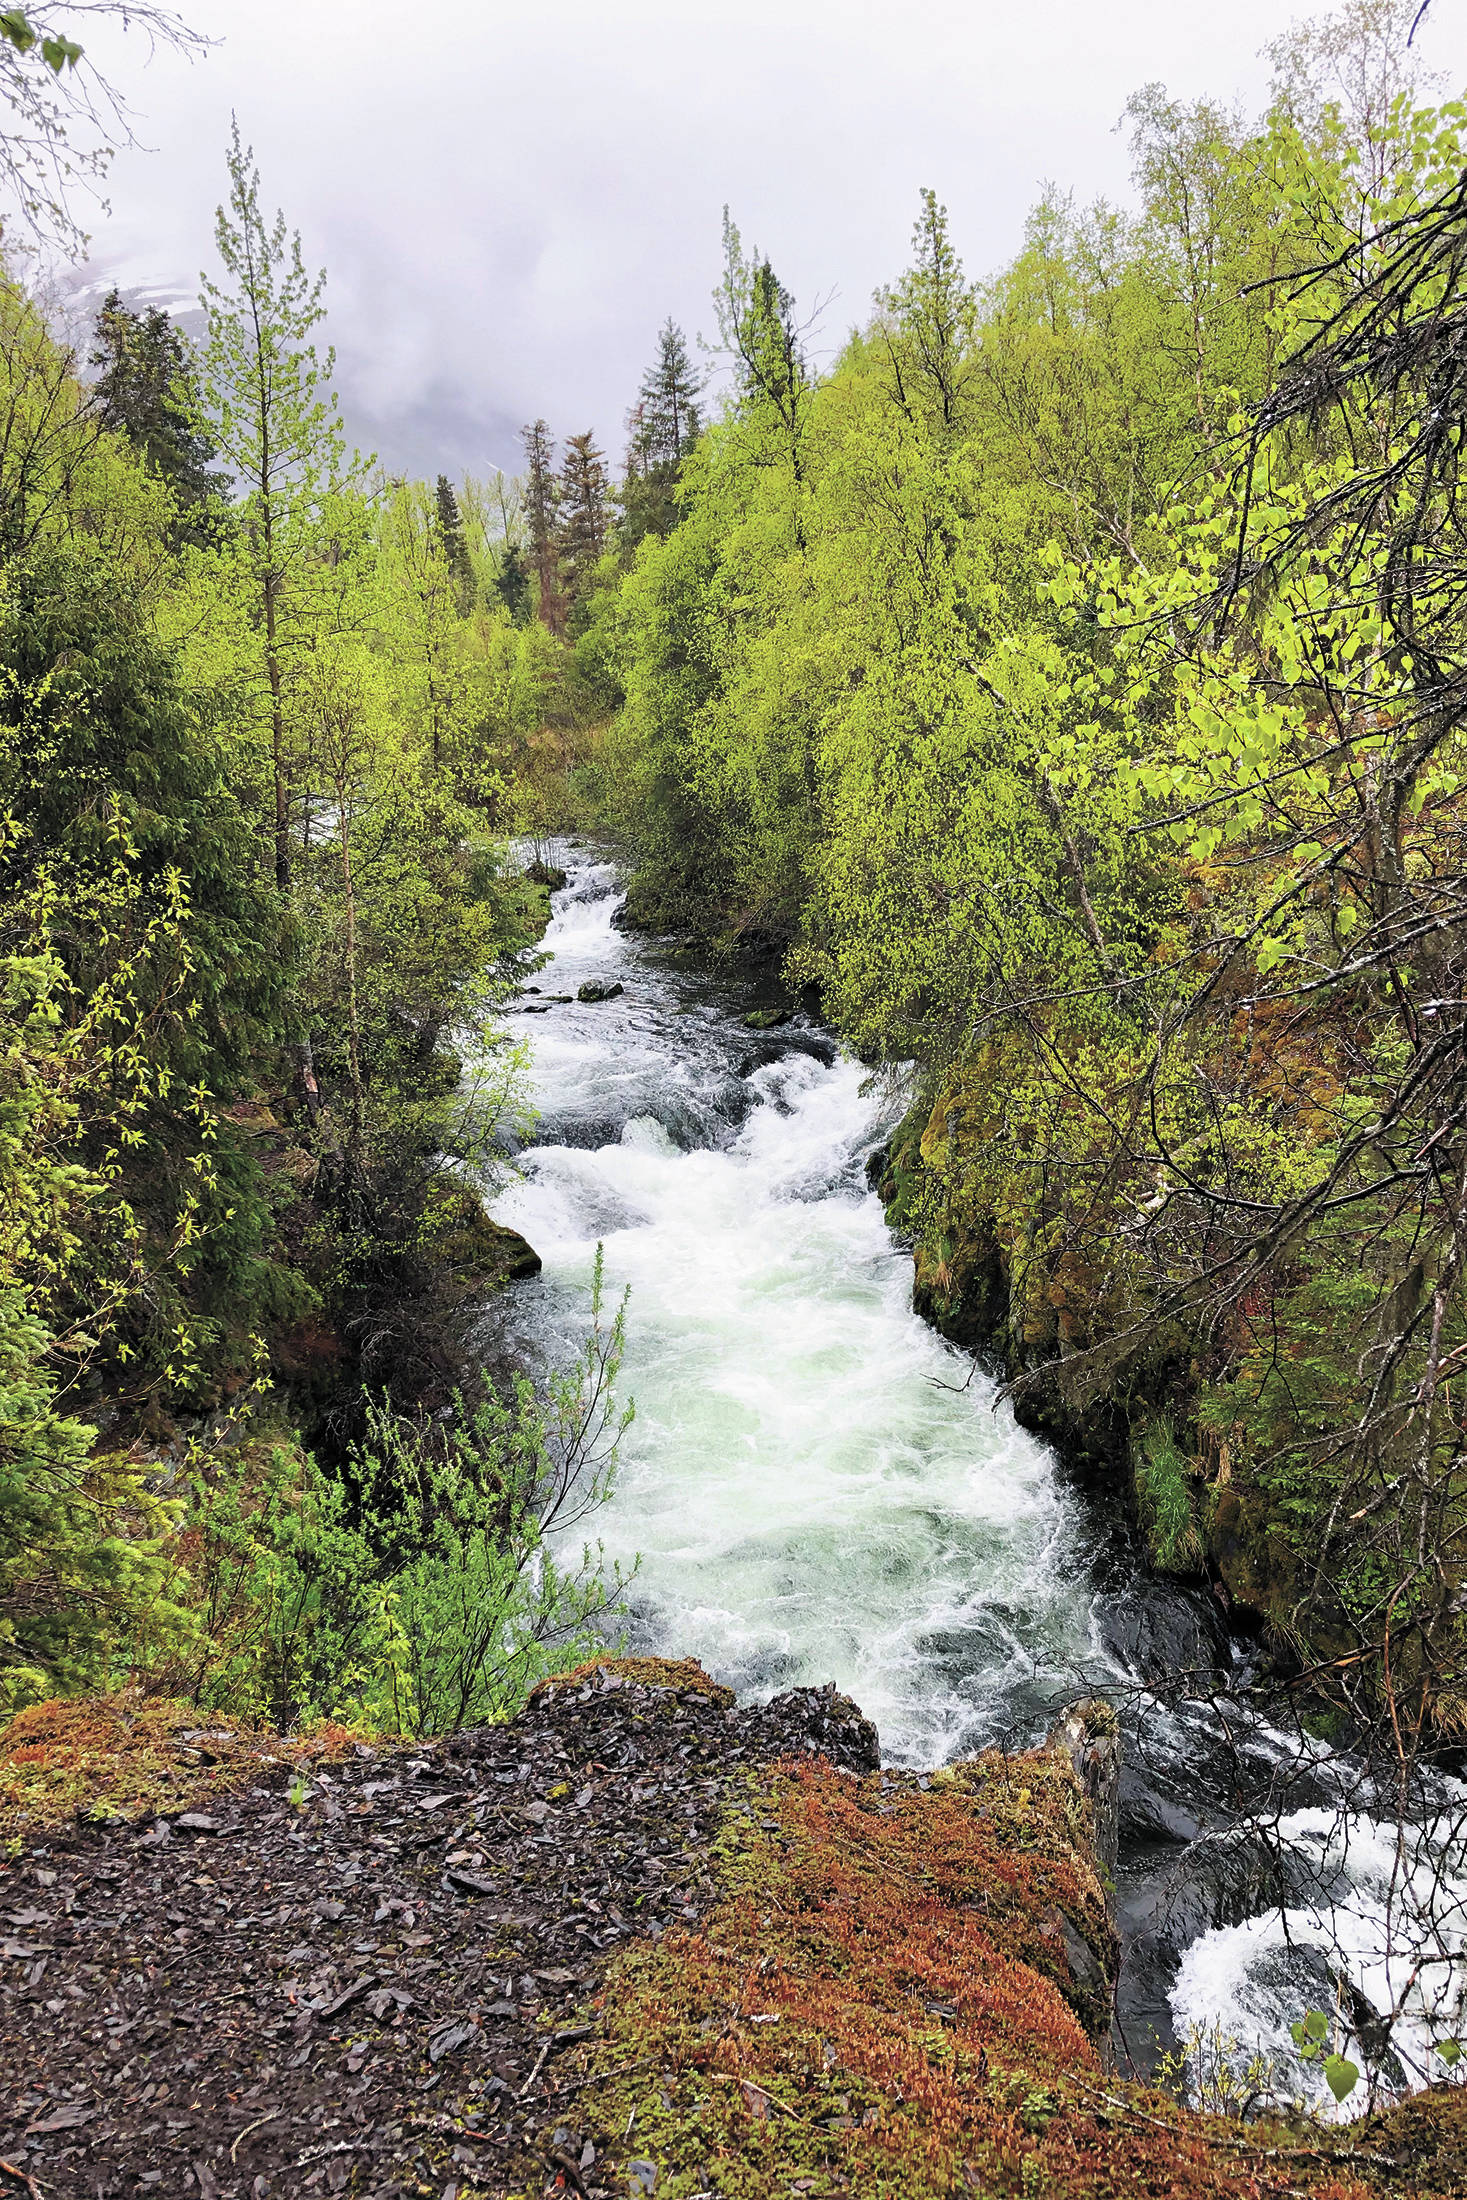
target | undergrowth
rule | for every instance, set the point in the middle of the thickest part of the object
(1164, 1495)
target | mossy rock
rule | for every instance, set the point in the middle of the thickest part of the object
(678, 1675)
(1258, 1569)
(961, 1289)
(881, 1998)
(767, 1019)
(477, 1251)
(546, 875)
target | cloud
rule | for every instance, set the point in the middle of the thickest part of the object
(511, 199)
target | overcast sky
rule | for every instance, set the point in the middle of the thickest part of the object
(511, 195)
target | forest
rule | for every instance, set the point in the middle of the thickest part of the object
(1061, 684)
(1046, 695)
(1067, 684)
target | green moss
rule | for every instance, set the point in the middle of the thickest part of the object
(678, 1676)
(121, 1756)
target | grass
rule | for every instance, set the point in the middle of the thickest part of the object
(1164, 1494)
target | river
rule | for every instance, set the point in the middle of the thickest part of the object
(817, 1488)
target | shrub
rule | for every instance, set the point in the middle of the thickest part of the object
(1164, 1494)
(432, 1594)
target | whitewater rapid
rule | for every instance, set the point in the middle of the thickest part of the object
(816, 1487)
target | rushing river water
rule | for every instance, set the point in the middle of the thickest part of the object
(818, 1488)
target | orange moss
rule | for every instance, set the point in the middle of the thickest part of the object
(675, 1673)
(124, 1755)
(878, 2006)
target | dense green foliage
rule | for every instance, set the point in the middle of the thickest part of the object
(1066, 683)
(267, 724)
(421, 1593)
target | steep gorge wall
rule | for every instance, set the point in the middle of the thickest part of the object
(1201, 1516)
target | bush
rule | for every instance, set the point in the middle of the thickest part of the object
(428, 1596)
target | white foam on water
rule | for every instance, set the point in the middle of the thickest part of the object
(1390, 1917)
(819, 1488)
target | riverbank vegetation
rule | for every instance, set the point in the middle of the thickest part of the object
(1067, 679)
(269, 721)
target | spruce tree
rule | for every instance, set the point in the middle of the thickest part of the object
(274, 415)
(512, 583)
(147, 390)
(663, 427)
(930, 329)
(542, 499)
(454, 545)
(585, 517)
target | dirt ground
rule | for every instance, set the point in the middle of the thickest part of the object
(362, 1979)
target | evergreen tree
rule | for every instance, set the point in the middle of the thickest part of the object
(664, 425)
(931, 348)
(758, 332)
(454, 545)
(274, 415)
(147, 389)
(542, 499)
(585, 517)
(512, 583)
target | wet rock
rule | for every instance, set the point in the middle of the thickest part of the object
(1089, 1735)
(1167, 1632)
(475, 1249)
(767, 1019)
(546, 874)
(599, 989)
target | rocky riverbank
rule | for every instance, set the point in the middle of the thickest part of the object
(641, 1940)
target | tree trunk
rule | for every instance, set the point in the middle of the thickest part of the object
(355, 1135)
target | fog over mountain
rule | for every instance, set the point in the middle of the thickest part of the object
(510, 200)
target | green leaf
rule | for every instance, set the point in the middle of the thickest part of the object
(1312, 2029)
(14, 26)
(1450, 2051)
(1340, 2075)
(60, 53)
